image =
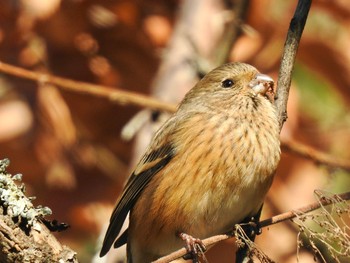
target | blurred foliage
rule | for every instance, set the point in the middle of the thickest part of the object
(68, 145)
(327, 106)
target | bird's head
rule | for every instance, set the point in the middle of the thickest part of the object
(231, 82)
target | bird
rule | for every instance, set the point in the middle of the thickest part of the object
(206, 169)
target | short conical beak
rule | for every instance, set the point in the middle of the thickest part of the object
(264, 85)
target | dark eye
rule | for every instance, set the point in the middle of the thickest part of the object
(227, 83)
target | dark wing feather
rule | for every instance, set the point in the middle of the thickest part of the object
(122, 239)
(150, 165)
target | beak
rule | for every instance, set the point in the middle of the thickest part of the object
(264, 85)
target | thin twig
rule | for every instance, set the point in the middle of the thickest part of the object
(314, 155)
(233, 30)
(125, 97)
(182, 251)
(112, 94)
(306, 209)
(291, 45)
(267, 222)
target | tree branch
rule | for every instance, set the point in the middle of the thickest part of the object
(112, 94)
(291, 45)
(264, 223)
(314, 155)
(24, 237)
(305, 209)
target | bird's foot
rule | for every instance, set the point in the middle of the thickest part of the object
(194, 246)
(252, 228)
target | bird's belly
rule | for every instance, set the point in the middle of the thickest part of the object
(200, 211)
(203, 192)
(218, 211)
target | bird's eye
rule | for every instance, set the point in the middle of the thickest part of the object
(227, 83)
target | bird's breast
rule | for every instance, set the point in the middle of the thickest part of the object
(222, 171)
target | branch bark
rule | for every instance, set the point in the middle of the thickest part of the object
(38, 245)
(113, 94)
(291, 45)
(23, 237)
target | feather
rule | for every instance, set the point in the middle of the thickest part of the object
(150, 165)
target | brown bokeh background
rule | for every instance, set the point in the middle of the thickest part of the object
(69, 148)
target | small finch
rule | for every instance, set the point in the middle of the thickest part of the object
(207, 168)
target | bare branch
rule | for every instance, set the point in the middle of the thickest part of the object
(291, 45)
(181, 252)
(267, 222)
(314, 155)
(232, 30)
(112, 94)
(306, 209)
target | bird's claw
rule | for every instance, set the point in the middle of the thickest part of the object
(194, 247)
(254, 227)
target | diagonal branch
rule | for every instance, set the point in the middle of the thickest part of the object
(267, 222)
(112, 94)
(291, 45)
(315, 155)
(305, 209)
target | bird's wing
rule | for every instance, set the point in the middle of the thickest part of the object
(152, 162)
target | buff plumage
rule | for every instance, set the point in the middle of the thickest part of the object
(207, 168)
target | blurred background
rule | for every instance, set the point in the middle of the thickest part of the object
(69, 145)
